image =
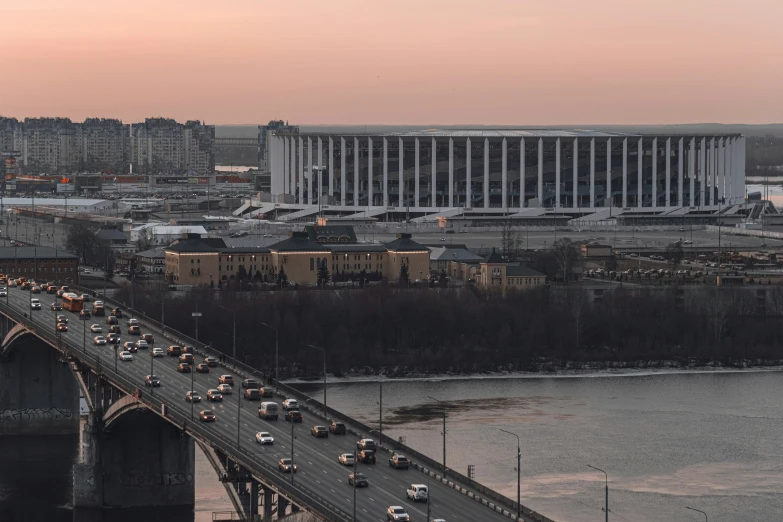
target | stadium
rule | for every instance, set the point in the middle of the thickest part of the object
(514, 174)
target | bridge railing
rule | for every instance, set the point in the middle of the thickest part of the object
(178, 416)
(316, 407)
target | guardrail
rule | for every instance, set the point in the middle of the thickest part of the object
(316, 407)
(180, 418)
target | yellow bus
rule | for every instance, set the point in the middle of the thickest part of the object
(72, 302)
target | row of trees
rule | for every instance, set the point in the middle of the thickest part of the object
(467, 330)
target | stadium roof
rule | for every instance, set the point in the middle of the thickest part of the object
(480, 133)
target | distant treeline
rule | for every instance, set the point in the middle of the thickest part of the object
(464, 330)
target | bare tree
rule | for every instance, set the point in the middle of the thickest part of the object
(674, 254)
(146, 239)
(567, 256)
(510, 242)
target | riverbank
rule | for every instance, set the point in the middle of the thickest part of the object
(605, 369)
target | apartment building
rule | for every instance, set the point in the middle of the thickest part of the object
(106, 146)
(163, 146)
(51, 146)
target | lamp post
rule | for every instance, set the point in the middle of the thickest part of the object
(324, 352)
(115, 358)
(699, 511)
(355, 461)
(239, 416)
(277, 352)
(234, 342)
(84, 333)
(293, 466)
(444, 432)
(380, 411)
(152, 373)
(192, 379)
(519, 471)
(606, 501)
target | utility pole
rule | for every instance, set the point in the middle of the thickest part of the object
(519, 474)
(380, 404)
(444, 432)
(277, 353)
(355, 460)
(606, 501)
(293, 465)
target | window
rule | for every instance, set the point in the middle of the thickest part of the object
(191, 261)
(312, 264)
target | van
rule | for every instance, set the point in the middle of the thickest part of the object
(268, 410)
(252, 394)
(417, 492)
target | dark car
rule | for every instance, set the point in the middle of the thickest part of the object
(134, 330)
(115, 328)
(187, 349)
(84, 314)
(212, 362)
(251, 383)
(206, 416)
(252, 394)
(214, 395)
(152, 381)
(359, 480)
(186, 358)
(293, 416)
(112, 320)
(338, 428)
(113, 339)
(130, 346)
(174, 350)
(366, 444)
(319, 431)
(62, 327)
(183, 368)
(192, 396)
(226, 379)
(366, 457)
(202, 368)
(267, 392)
(57, 307)
(285, 465)
(149, 338)
(62, 319)
(117, 313)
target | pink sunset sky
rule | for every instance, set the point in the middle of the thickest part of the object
(503, 62)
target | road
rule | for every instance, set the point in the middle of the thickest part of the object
(319, 470)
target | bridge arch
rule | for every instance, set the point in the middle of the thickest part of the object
(13, 339)
(118, 408)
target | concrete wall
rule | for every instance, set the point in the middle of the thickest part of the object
(38, 393)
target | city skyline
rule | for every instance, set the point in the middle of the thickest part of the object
(496, 63)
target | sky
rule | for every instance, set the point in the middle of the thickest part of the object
(490, 62)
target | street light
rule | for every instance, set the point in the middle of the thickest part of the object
(700, 511)
(519, 471)
(293, 465)
(192, 379)
(606, 502)
(234, 315)
(277, 352)
(324, 351)
(444, 432)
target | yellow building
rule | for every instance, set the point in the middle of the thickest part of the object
(212, 261)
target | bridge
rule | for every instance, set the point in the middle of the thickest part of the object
(236, 142)
(137, 443)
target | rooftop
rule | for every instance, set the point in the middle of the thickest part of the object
(154, 253)
(500, 133)
(404, 243)
(519, 270)
(28, 252)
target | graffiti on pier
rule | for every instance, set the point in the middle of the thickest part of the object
(16, 415)
(144, 480)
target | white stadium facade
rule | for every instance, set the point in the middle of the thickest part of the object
(512, 173)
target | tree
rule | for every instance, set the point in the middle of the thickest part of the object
(108, 270)
(258, 277)
(674, 254)
(443, 281)
(323, 274)
(146, 239)
(80, 241)
(404, 274)
(611, 263)
(282, 278)
(567, 256)
(510, 242)
(241, 273)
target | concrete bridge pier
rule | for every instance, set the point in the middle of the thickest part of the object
(268, 503)
(282, 505)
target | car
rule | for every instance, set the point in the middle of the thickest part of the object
(285, 465)
(202, 368)
(319, 431)
(112, 320)
(57, 307)
(149, 338)
(117, 313)
(174, 350)
(62, 327)
(62, 319)
(36, 289)
(206, 416)
(214, 395)
(158, 352)
(366, 444)
(346, 459)
(84, 314)
(226, 379)
(267, 391)
(225, 389)
(126, 356)
(359, 480)
(338, 428)
(113, 339)
(134, 330)
(252, 394)
(96, 328)
(290, 404)
(417, 492)
(115, 328)
(443, 239)
(192, 396)
(187, 349)
(212, 362)
(397, 514)
(141, 343)
(399, 462)
(3, 292)
(35, 304)
(183, 368)
(366, 456)
(251, 383)
(86, 271)
(293, 416)
(133, 322)
(99, 340)
(263, 437)
(129, 345)
(152, 381)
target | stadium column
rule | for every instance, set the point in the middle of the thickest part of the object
(540, 172)
(402, 184)
(331, 167)
(714, 189)
(385, 172)
(486, 172)
(356, 183)
(639, 169)
(668, 171)
(575, 168)
(608, 195)
(292, 169)
(309, 171)
(434, 189)
(301, 172)
(692, 171)
(702, 171)
(741, 169)
(467, 174)
(416, 171)
(286, 167)
(504, 175)
(721, 171)
(729, 171)
(369, 172)
(592, 172)
(680, 172)
(319, 178)
(654, 155)
(342, 171)
(624, 196)
(557, 173)
(451, 173)
(521, 173)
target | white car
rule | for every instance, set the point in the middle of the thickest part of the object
(3, 292)
(290, 404)
(397, 513)
(35, 304)
(126, 356)
(346, 459)
(141, 343)
(263, 437)
(86, 271)
(225, 389)
(96, 328)
(100, 340)
(158, 352)
(133, 322)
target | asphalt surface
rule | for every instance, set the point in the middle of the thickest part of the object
(318, 468)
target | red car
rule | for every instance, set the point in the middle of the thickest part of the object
(206, 416)
(62, 327)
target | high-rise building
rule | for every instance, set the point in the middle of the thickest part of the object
(199, 142)
(105, 146)
(10, 135)
(161, 145)
(51, 146)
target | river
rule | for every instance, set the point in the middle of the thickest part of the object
(706, 440)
